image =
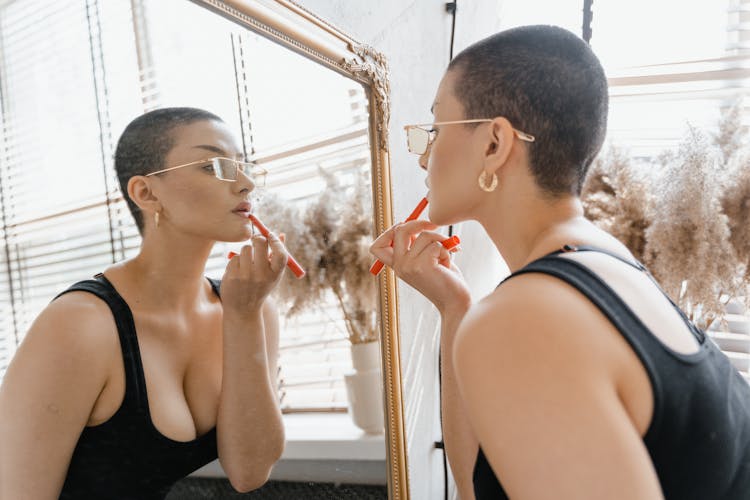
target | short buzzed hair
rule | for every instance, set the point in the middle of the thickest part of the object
(144, 145)
(548, 83)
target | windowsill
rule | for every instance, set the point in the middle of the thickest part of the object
(324, 447)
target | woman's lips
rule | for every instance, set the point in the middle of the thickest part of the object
(243, 209)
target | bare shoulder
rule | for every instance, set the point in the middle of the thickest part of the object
(49, 390)
(541, 330)
(537, 367)
(535, 311)
(76, 320)
(76, 329)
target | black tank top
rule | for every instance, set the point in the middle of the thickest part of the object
(699, 437)
(126, 457)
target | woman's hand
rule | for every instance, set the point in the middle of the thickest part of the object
(415, 254)
(252, 274)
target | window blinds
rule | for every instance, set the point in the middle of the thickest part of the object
(672, 76)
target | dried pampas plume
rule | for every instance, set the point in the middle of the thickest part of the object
(330, 238)
(730, 137)
(688, 219)
(687, 244)
(618, 198)
(736, 205)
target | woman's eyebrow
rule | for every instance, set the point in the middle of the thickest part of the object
(239, 156)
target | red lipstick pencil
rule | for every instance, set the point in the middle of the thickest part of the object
(292, 264)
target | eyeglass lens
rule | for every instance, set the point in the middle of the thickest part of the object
(226, 169)
(417, 140)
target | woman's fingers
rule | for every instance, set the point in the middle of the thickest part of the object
(383, 246)
(382, 249)
(246, 259)
(260, 249)
(249, 260)
(428, 250)
(234, 263)
(279, 254)
(424, 240)
(405, 235)
(401, 240)
(444, 258)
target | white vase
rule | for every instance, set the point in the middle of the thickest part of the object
(364, 388)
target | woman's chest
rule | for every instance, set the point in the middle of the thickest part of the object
(181, 364)
(183, 372)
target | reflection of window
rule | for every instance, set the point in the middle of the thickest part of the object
(73, 74)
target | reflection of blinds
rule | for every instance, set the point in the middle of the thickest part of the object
(314, 357)
(72, 75)
(314, 344)
(56, 207)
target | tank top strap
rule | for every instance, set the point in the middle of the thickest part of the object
(590, 248)
(605, 299)
(135, 382)
(697, 332)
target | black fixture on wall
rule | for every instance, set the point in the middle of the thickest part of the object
(587, 17)
(450, 8)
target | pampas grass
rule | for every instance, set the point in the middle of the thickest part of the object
(687, 244)
(617, 197)
(686, 215)
(736, 205)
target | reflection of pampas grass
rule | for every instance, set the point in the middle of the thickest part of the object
(330, 238)
(687, 244)
(354, 238)
(279, 216)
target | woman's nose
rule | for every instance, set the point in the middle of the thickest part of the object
(244, 183)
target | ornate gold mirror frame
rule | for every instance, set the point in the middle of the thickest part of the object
(290, 25)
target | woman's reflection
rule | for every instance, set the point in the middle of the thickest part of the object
(89, 409)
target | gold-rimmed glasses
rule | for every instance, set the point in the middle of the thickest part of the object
(226, 169)
(419, 138)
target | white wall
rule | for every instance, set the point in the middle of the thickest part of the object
(415, 37)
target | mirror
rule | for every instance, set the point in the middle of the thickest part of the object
(309, 105)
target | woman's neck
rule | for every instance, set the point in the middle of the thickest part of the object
(528, 227)
(169, 269)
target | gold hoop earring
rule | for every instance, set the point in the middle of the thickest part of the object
(156, 219)
(484, 185)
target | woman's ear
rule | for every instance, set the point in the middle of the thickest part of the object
(499, 144)
(142, 193)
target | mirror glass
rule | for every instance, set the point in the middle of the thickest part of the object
(75, 77)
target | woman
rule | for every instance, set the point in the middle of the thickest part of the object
(90, 410)
(576, 378)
